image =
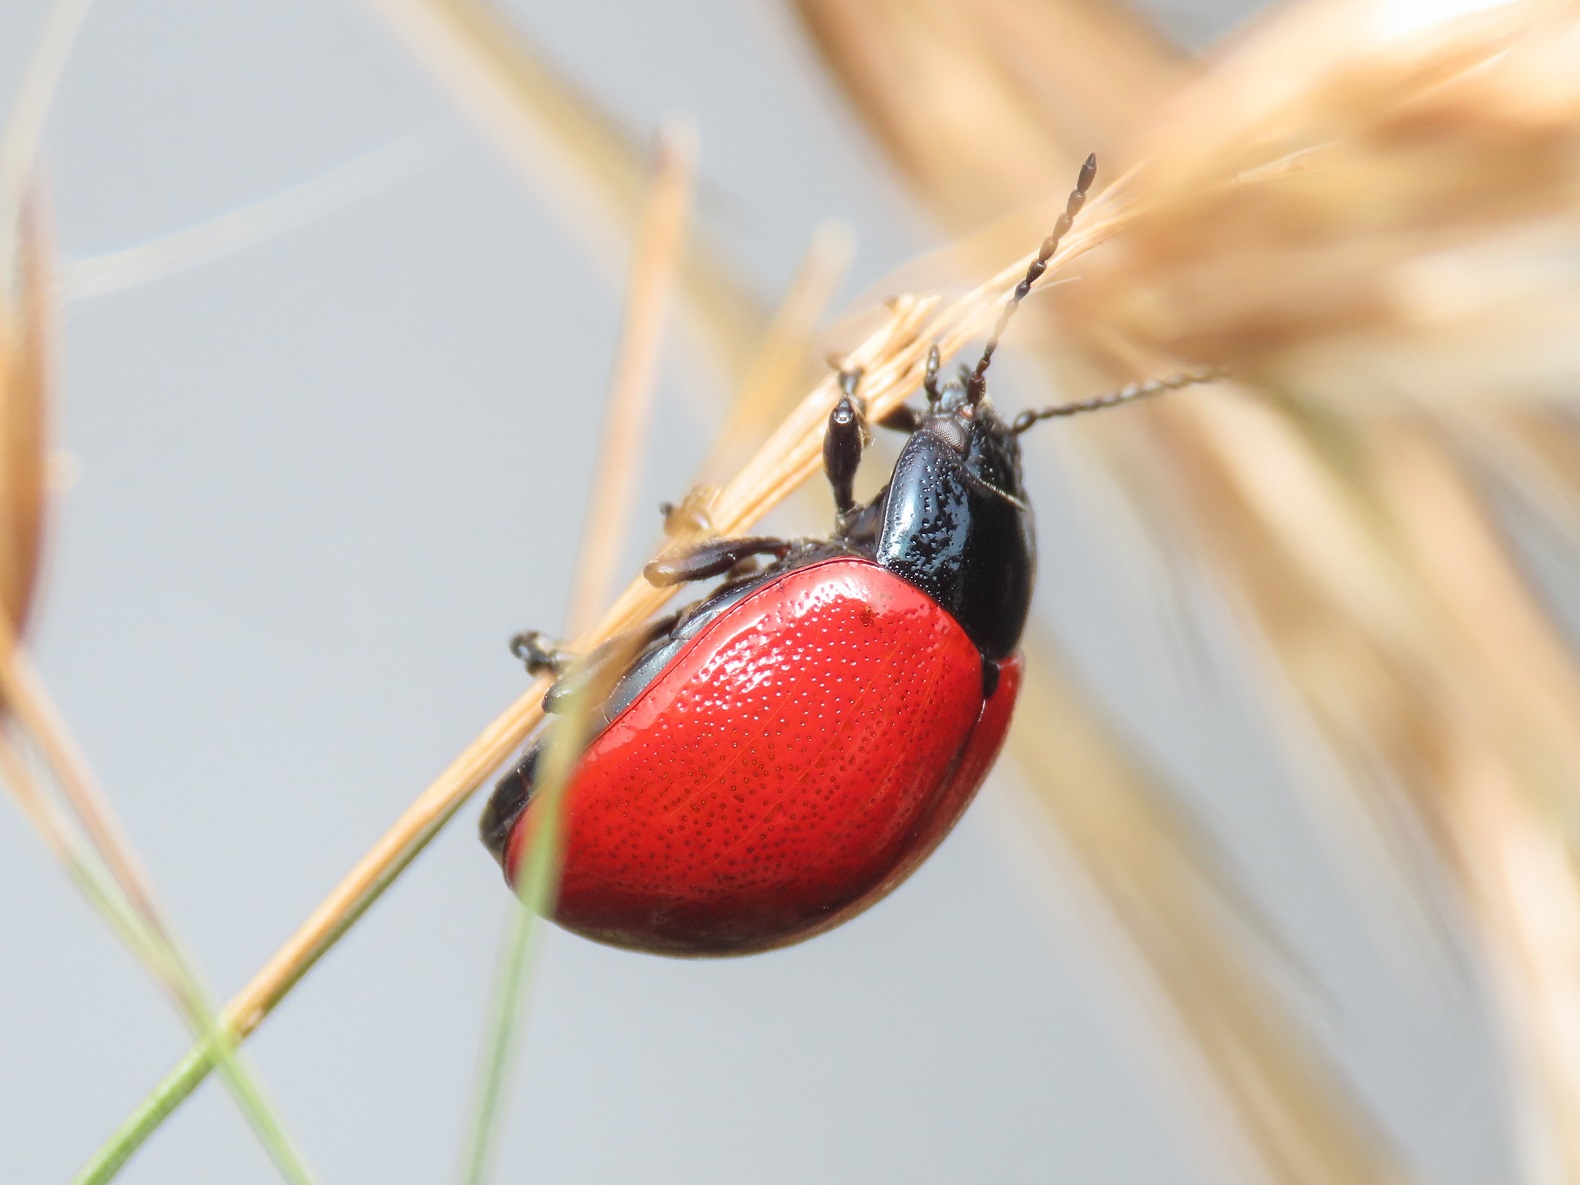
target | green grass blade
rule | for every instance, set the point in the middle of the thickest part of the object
(145, 1120)
(537, 886)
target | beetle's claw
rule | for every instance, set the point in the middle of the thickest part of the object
(539, 653)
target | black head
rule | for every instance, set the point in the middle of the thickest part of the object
(956, 522)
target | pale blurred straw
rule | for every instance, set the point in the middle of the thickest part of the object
(1540, 446)
(976, 100)
(1277, 1099)
(98, 858)
(105, 867)
(27, 339)
(24, 127)
(1407, 638)
(1511, 810)
(576, 157)
(1384, 224)
(660, 241)
(1272, 1098)
(235, 230)
(1359, 216)
(781, 367)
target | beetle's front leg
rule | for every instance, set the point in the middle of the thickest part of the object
(713, 557)
(846, 436)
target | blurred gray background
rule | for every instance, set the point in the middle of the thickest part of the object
(322, 479)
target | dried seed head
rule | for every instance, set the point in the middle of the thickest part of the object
(26, 342)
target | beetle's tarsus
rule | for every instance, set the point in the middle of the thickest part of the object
(539, 653)
(593, 676)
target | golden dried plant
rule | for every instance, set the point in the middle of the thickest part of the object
(1368, 215)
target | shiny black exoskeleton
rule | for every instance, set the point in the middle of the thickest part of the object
(954, 521)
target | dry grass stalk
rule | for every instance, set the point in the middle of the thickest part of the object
(660, 242)
(976, 100)
(26, 351)
(1281, 1106)
(1323, 210)
(575, 156)
(782, 366)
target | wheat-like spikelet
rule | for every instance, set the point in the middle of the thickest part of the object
(1374, 220)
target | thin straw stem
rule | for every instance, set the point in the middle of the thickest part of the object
(777, 369)
(125, 895)
(660, 240)
(73, 856)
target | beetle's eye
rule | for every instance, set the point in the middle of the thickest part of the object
(952, 432)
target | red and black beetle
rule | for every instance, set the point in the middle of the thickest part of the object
(783, 753)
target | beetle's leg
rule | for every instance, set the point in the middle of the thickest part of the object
(597, 673)
(930, 378)
(860, 528)
(846, 436)
(902, 419)
(713, 557)
(691, 514)
(540, 653)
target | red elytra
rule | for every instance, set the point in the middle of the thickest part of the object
(789, 767)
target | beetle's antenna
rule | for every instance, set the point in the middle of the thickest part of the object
(976, 385)
(992, 491)
(1114, 398)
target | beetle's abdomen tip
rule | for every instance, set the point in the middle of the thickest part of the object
(506, 805)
